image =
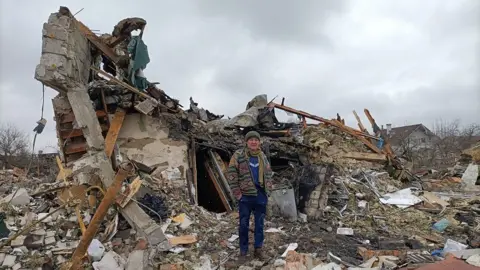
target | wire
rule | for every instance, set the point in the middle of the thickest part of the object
(36, 132)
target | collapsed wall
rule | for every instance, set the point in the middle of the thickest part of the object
(64, 66)
(145, 139)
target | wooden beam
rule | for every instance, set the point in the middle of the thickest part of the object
(99, 215)
(387, 145)
(126, 85)
(220, 192)
(360, 124)
(365, 156)
(97, 42)
(113, 131)
(356, 133)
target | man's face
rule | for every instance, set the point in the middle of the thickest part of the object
(253, 144)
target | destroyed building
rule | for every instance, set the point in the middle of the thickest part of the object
(142, 180)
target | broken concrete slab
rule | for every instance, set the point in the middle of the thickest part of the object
(19, 197)
(470, 176)
(98, 164)
(86, 117)
(66, 56)
(138, 260)
(283, 202)
(110, 261)
(9, 261)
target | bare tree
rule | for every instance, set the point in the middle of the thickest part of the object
(452, 139)
(446, 141)
(13, 144)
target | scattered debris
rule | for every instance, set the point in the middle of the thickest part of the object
(141, 183)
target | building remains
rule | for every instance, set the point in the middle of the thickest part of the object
(141, 180)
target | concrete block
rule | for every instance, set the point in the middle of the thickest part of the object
(18, 242)
(59, 20)
(54, 46)
(284, 201)
(138, 259)
(86, 117)
(66, 55)
(50, 240)
(55, 32)
(21, 198)
(9, 261)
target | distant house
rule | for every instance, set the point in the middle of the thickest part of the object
(413, 137)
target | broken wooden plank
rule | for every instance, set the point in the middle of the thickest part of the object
(137, 218)
(360, 124)
(334, 123)
(387, 146)
(220, 192)
(127, 86)
(214, 157)
(62, 172)
(131, 190)
(99, 215)
(97, 42)
(182, 240)
(113, 131)
(357, 135)
(365, 156)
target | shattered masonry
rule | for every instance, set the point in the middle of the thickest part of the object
(340, 198)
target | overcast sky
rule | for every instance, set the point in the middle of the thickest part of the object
(407, 61)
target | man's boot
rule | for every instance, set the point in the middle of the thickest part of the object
(259, 255)
(242, 259)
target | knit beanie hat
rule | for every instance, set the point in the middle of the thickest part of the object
(252, 134)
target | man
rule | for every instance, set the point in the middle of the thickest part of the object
(250, 179)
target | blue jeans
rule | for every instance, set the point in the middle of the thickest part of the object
(246, 206)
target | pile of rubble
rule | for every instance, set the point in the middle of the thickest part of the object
(141, 182)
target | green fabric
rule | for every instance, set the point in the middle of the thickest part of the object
(240, 177)
(139, 60)
(252, 134)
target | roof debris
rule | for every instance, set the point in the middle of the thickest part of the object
(141, 182)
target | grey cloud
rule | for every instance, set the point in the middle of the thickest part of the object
(278, 21)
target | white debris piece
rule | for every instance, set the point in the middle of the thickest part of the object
(291, 246)
(470, 176)
(233, 238)
(21, 198)
(402, 198)
(9, 261)
(345, 231)
(110, 261)
(474, 260)
(96, 250)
